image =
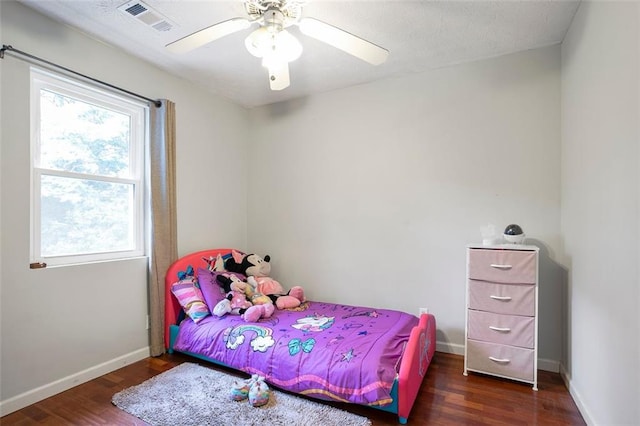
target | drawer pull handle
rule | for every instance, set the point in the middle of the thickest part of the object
(501, 329)
(503, 298)
(499, 266)
(500, 360)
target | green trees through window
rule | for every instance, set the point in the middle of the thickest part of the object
(87, 173)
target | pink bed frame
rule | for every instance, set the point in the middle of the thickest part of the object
(413, 367)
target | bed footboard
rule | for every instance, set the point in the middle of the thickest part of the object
(415, 362)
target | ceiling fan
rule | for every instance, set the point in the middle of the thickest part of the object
(274, 44)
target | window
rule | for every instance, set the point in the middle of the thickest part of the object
(87, 172)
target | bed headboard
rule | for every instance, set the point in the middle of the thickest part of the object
(172, 308)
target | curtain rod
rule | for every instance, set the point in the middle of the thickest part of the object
(10, 49)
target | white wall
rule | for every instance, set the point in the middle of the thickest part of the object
(61, 326)
(600, 213)
(369, 195)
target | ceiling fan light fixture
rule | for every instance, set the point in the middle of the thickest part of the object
(287, 46)
(258, 41)
(272, 46)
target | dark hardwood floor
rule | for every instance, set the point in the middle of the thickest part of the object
(446, 398)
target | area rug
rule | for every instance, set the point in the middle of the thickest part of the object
(191, 394)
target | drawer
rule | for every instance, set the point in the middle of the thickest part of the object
(503, 360)
(511, 299)
(511, 330)
(503, 266)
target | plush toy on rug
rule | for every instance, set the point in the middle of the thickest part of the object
(238, 301)
(255, 389)
(257, 271)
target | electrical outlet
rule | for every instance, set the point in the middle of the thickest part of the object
(424, 311)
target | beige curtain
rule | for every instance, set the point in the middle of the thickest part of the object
(162, 187)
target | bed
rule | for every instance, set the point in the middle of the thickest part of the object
(327, 351)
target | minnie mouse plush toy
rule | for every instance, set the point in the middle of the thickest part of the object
(237, 301)
(257, 271)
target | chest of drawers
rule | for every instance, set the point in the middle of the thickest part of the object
(501, 324)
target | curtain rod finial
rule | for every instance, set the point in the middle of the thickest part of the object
(4, 47)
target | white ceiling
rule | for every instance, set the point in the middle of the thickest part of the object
(419, 35)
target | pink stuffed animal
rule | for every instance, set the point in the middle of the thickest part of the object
(237, 303)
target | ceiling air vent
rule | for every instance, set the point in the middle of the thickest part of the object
(136, 9)
(144, 13)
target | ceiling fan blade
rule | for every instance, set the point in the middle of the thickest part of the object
(279, 76)
(207, 35)
(347, 42)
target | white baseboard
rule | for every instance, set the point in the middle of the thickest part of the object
(576, 398)
(549, 365)
(458, 349)
(450, 348)
(38, 394)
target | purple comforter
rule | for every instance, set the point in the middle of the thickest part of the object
(327, 351)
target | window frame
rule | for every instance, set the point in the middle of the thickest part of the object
(139, 132)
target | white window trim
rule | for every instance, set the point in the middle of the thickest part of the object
(140, 113)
